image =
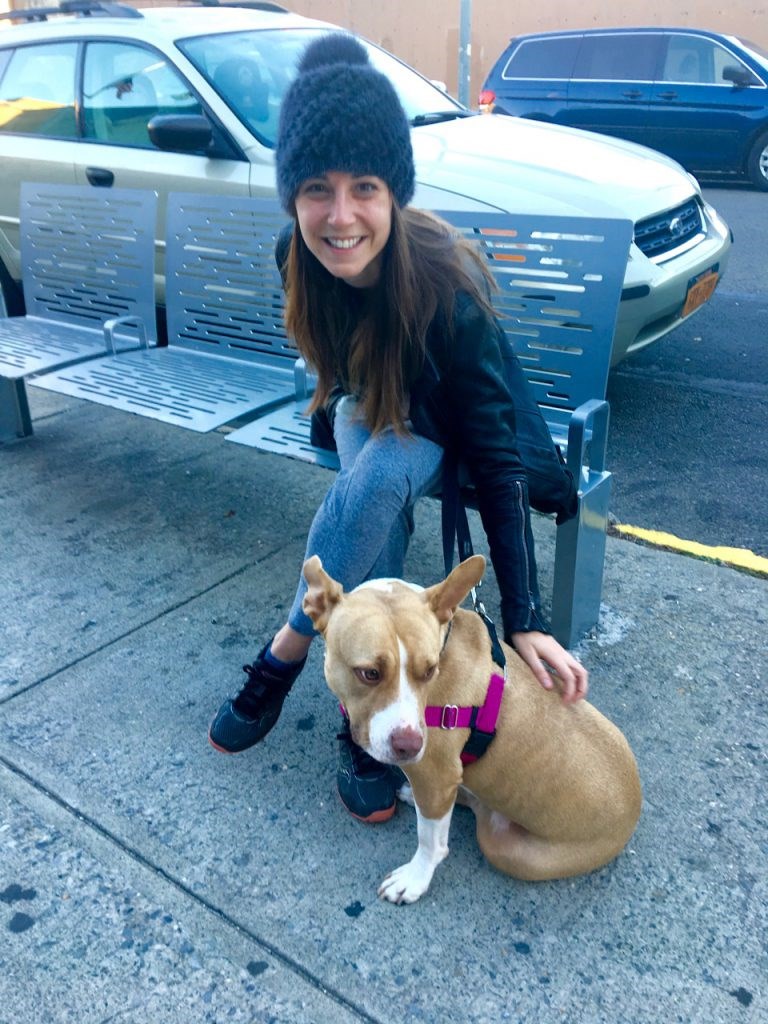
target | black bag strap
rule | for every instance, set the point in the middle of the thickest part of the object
(455, 527)
(454, 517)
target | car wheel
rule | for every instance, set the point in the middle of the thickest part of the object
(757, 163)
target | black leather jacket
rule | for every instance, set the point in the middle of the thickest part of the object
(461, 400)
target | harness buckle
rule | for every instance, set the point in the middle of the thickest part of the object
(450, 716)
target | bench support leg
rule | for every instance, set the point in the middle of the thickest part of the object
(15, 421)
(579, 560)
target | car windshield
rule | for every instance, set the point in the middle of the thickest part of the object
(252, 71)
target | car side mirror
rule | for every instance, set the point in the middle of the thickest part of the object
(741, 77)
(185, 133)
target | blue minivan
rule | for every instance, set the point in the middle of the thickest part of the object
(700, 97)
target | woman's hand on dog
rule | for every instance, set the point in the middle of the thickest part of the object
(544, 656)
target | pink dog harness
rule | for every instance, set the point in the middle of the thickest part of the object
(481, 721)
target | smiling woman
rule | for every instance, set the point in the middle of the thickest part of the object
(393, 313)
(345, 222)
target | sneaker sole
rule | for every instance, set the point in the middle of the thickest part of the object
(222, 750)
(373, 819)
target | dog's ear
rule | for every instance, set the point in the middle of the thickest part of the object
(323, 593)
(444, 598)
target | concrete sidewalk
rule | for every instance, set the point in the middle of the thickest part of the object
(146, 879)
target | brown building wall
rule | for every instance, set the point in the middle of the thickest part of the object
(425, 33)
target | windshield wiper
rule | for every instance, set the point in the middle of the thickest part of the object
(436, 116)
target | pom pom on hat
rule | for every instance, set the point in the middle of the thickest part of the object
(336, 48)
(341, 114)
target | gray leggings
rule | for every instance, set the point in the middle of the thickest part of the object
(362, 529)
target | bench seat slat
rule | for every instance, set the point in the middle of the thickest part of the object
(29, 345)
(285, 431)
(193, 390)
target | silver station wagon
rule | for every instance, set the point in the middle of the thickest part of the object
(188, 99)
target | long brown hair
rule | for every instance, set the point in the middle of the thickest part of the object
(374, 340)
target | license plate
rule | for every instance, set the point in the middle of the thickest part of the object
(700, 290)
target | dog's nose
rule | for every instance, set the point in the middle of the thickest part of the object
(406, 742)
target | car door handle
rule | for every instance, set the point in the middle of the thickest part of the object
(632, 94)
(99, 176)
(668, 95)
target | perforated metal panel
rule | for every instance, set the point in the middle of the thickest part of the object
(559, 283)
(285, 432)
(87, 257)
(224, 290)
(228, 354)
(196, 391)
(29, 345)
(86, 254)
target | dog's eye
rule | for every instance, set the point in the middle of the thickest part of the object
(429, 673)
(368, 675)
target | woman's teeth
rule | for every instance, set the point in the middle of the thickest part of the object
(342, 243)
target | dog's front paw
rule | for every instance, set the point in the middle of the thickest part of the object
(406, 883)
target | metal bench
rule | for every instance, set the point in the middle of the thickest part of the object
(227, 356)
(559, 284)
(87, 257)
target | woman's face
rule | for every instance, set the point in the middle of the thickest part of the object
(345, 222)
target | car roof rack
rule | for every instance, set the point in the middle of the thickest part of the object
(113, 9)
(82, 8)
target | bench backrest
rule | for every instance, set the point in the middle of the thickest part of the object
(223, 289)
(559, 283)
(87, 254)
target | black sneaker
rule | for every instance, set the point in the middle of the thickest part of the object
(247, 718)
(367, 788)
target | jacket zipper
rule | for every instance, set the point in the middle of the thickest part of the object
(526, 558)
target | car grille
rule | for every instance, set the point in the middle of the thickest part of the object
(667, 232)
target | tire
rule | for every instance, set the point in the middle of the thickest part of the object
(757, 163)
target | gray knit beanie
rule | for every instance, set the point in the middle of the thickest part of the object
(341, 114)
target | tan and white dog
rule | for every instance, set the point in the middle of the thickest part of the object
(557, 791)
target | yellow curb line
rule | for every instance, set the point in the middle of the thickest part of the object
(742, 558)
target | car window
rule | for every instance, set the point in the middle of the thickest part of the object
(251, 71)
(693, 59)
(37, 91)
(124, 87)
(543, 58)
(621, 58)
